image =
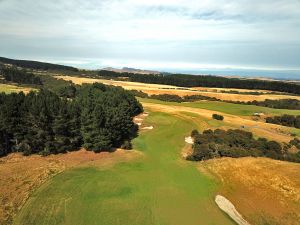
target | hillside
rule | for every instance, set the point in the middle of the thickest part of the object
(36, 65)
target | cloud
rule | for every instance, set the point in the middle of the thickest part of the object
(143, 28)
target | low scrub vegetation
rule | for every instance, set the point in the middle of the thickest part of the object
(99, 118)
(241, 92)
(217, 117)
(276, 104)
(239, 143)
(173, 98)
(285, 120)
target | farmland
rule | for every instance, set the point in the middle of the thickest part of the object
(219, 93)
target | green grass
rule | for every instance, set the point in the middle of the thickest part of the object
(229, 108)
(159, 188)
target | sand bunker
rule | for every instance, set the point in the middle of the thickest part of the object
(189, 140)
(226, 206)
(138, 120)
(147, 128)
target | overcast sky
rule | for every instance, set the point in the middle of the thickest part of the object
(153, 33)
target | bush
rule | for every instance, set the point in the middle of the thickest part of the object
(217, 117)
(238, 143)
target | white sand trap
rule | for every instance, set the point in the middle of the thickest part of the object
(226, 206)
(189, 140)
(139, 124)
(138, 119)
(148, 128)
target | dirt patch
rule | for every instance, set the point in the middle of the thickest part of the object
(20, 175)
(264, 191)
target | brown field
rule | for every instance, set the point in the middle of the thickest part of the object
(247, 98)
(263, 190)
(21, 175)
(152, 89)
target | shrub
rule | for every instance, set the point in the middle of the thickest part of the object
(217, 117)
(238, 143)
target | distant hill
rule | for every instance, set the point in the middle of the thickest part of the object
(36, 65)
(131, 70)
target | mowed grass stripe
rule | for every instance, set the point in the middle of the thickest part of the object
(159, 188)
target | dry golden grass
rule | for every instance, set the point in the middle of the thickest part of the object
(152, 89)
(264, 191)
(9, 88)
(126, 84)
(228, 89)
(21, 175)
(260, 129)
(246, 98)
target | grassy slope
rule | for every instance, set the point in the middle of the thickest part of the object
(235, 109)
(160, 188)
(8, 88)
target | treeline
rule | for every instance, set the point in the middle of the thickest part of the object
(19, 76)
(98, 118)
(276, 104)
(185, 80)
(36, 65)
(173, 98)
(243, 92)
(285, 120)
(239, 143)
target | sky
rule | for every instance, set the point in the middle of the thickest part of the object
(154, 34)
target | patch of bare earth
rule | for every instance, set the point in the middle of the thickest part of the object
(264, 191)
(21, 175)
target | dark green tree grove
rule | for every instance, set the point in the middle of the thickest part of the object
(239, 143)
(19, 76)
(285, 120)
(98, 118)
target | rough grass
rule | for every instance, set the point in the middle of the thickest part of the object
(8, 88)
(265, 191)
(229, 108)
(259, 128)
(20, 175)
(159, 188)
